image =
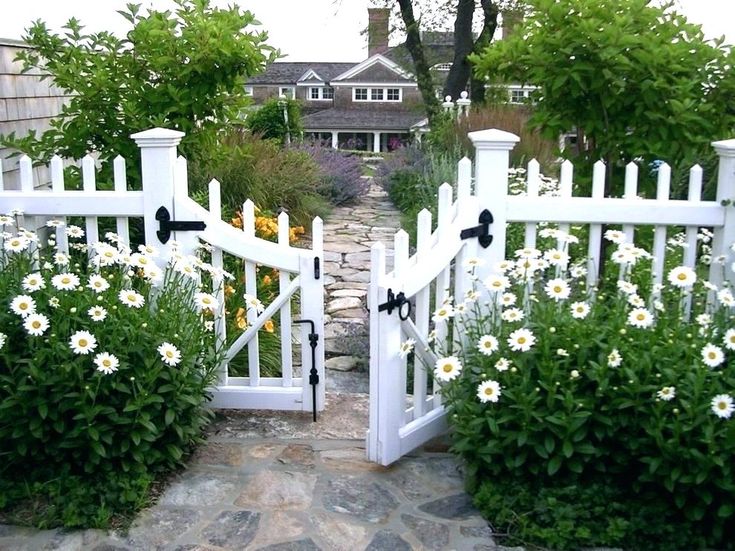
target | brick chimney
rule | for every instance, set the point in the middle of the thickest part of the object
(378, 30)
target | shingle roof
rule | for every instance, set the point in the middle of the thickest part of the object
(357, 119)
(289, 72)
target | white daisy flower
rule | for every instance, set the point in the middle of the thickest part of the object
(106, 363)
(65, 281)
(549, 232)
(107, 255)
(512, 314)
(186, 268)
(527, 252)
(55, 223)
(729, 339)
(487, 345)
(5, 220)
(447, 368)
(139, 260)
(471, 263)
(616, 236)
(148, 250)
(97, 313)
(16, 244)
(722, 406)
(170, 355)
(153, 274)
(53, 302)
(558, 289)
(577, 271)
(555, 257)
(502, 364)
(636, 301)
(562, 352)
(508, 299)
(443, 313)
(580, 310)
(726, 298)
(406, 347)
(205, 301)
(33, 282)
(36, 324)
(74, 232)
(667, 393)
(614, 359)
(23, 305)
(703, 319)
(574, 374)
(131, 298)
(3, 340)
(82, 342)
(623, 257)
(627, 287)
(503, 266)
(712, 355)
(61, 259)
(641, 318)
(112, 237)
(471, 295)
(682, 277)
(209, 325)
(98, 283)
(488, 391)
(497, 283)
(521, 340)
(253, 302)
(460, 308)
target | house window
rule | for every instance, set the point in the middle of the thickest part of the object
(376, 94)
(517, 96)
(442, 67)
(321, 92)
(287, 91)
(249, 91)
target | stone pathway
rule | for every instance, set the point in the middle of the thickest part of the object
(276, 481)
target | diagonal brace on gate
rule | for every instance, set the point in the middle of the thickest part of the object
(268, 313)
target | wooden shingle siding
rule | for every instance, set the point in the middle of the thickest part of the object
(27, 102)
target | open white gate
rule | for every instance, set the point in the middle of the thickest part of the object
(402, 419)
(164, 204)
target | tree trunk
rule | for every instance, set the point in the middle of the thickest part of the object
(490, 13)
(421, 67)
(459, 74)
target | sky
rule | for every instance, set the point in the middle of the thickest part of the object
(305, 30)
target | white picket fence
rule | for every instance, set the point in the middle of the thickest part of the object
(401, 420)
(164, 177)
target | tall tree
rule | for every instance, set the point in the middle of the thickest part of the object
(635, 78)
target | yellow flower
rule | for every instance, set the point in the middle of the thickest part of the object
(268, 326)
(267, 280)
(240, 319)
(229, 290)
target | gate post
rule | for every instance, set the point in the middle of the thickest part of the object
(158, 172)
(492, 156)
(725, 236)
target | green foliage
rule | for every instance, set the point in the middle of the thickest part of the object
(612, 387)
(268, 121)
(272, 177)
(183, 70)
(65, 417)
(636, 79)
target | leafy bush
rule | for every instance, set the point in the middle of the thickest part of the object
(561, 392)
(268, 122)
(272, 177)
(183, 70)
(105, 361)
(340, 173)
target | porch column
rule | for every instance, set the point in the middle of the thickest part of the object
(376, 142)
(335, 140)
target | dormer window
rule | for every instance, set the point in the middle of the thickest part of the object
(376, 94)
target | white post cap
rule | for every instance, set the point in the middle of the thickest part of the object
(725, 148)
(158, 137)
(493, 139)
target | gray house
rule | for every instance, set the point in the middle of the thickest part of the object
(373, 105)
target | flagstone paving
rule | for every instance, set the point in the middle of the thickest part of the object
(275, 481)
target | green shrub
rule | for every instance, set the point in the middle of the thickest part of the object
(104, 369)
(272, 177)
(269, 123)
(560, 391)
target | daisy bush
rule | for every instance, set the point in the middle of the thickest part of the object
(595, 416)
(105, 360)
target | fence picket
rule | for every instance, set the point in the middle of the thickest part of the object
(423, 314)
(251, 288)
(594, 247)
(663, 187)
(56, 167)
(218, 287)
(466, 210)
(400, 268)
(443, 281)
(565, 191)
(532, 187)
(89, 184)
(284, 280)
(121, 186)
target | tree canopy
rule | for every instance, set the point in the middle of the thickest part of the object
(636, 79)
(184, 70)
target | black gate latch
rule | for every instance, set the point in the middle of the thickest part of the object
(396, 301)
(167, 225)
(482, 232)
(313, 373)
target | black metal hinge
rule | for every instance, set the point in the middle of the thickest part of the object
(482, 232)
(396, 302)
(317, 268)
(168, 225)
(313, 373)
